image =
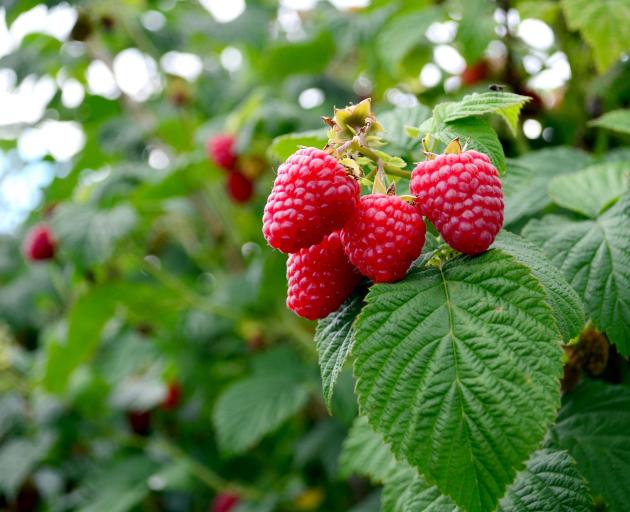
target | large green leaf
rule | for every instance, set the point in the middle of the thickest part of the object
(255, 406)
(594, 256)
(366, 454)
(525, 183)
(603, 24)
(505, 104)
(564, 301)
(89, 234)
(616, 120)
(476, 28)
(334, 339)
(18, 457)
(459, 368)
(308, 57)
(593, 427)
(592, 190)
(284, 146)
(396, 121)
(550, 483)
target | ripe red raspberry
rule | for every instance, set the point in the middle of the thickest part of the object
(239, 187)
(462, 196)
(221, 150)
(383, 237)
(311, 197)
(224, 502)
(320, 278)
(39, 243)
(173, 396)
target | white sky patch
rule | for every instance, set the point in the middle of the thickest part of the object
(441, 33)
(72, 93)
(26, 103)
(449, 59)
(399, 98)
(224, 11)
(298, 5)
(158, 159)
(311, 98)
(289, 21)
(556, 74)
(536, 33)
(430, 75)
(349, 4)
(136, 74)
(61, 139)
(532, 128)
(231, 58)
(186, 65)
(452, 83)
(153, 20)
(532, 64)
(101, 80)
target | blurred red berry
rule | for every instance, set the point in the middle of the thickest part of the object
(239, 187)
(173, 396)
(224, 502)
(476, 73)
(39, 243)
(221, 150)
(139, 422)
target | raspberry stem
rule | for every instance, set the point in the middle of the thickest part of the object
(389, 169)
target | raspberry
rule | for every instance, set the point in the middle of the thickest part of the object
(224, 502)
(461, 195)
(320, 278)
(173, 396)
(311, 197)
(239, 187)
(221, 150)
(383, 237)
(39, 243)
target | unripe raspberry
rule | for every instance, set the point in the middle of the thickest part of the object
(461, 195)
(39, 243)
(224, 502)
(383, 237)
(239, 187)
(221, 150)
(320, 278)
(312, 196)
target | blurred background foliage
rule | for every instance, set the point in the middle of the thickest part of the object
(152, 364)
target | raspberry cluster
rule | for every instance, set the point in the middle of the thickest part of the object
(333, 236)
(221, 151)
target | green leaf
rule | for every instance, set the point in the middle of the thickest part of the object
(550, 482)
(305, 57)
(477, 133)
(525, 183)
(396, 121)
(594, 256)
(88, 317)
(90, 234)
(448, 363)
(365, 453)
(402, 34)
(565, 303)
(593, 427)
(604, 25)
(18, 457)
(284, 146)
(334, 339)
(505, 104)
(616, 120)
(593, 190)
(476, 28)
(255, 406)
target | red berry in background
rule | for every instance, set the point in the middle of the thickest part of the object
(475, 73)
(383, 237)
(312, 196)
(224, 502)
(461, 195)
(139, 422)
(39, 243)
(239, 187)
(221, 150)
(173, 396)
(320, 278)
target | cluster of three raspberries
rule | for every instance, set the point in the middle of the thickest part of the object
(334, 236)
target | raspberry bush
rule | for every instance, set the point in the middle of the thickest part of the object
(336, 256)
